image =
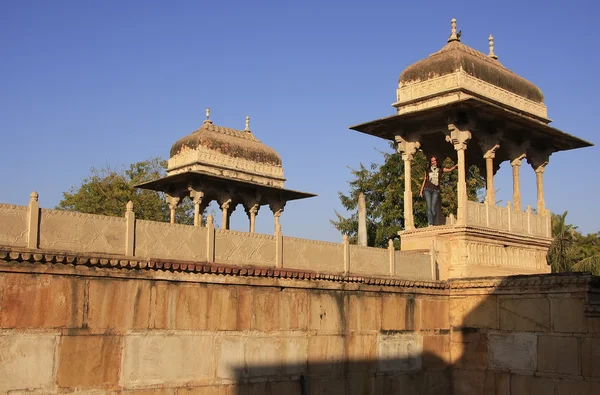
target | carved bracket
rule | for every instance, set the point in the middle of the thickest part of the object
(406, 148)
(458, 137)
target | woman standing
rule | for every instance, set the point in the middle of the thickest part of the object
(431, 187)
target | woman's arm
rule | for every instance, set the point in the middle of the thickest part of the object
(448, 170)
(423, 186)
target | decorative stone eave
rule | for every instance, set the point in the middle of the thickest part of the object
(21, 256)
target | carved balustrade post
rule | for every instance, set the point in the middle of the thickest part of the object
(277, 209)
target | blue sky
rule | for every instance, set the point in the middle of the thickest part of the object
(89, 83)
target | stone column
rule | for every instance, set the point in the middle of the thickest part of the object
(199, 205)
(173, 202)
(362, 220)
(277, 209)
(252, 211)
(459, 139)
(408, 150)
(489, 146)
(225, 212)
(516, 165)
(539, 178)
(538, 161)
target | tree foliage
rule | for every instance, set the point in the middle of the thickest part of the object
(383, 187)
(106, 191)
(572, 251)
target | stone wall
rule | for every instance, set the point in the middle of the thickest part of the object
(127, 237)
(86, 325)
(94, 329)
(525, 335)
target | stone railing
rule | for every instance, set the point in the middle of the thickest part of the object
(64, 231)
(508, 219)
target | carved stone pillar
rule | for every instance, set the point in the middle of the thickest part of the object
(226, 210)
(459, 139)
(277, 209)
(539, 178)
(252, 212)
(538, 161)
(408, 150)
(516, 164)
(489, 146)
(200, 204)
(173, 202)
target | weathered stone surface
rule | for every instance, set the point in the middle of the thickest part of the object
(89, 361)
(364, 313)
(119, 304)
(262, 356)
(469, 350)
(362, 353)
(436, 382)
(327, 312)
(558, 354)
(398, 312)
(163, 358)
(436, 351)
(530, 385)
(179, 306)
(513, 351)
(577, 388)
(468, 382)
(26, 361)
(229, 357)
(49, 301)
(399, 352)
(325, 355)
(476, 311)
(294, 354)
(156, 391)
(568, 315)
(525, 314)
(209, 390)
(222, 304)
(590, 357)
(294, 309)
(258, 309)
(433, 314)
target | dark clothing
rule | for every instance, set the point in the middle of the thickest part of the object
(431, 180)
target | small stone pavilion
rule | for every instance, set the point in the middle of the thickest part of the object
(229, 166)
(461, 100)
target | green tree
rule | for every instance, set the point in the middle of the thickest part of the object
(106, 192)
(560, 253)
(570, 250)
(383, 187)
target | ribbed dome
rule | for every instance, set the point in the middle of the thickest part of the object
(455, 56)
(230, 142)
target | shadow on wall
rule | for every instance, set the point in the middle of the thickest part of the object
(524, 335)
(370, 376)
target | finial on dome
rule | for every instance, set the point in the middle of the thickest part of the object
(454, 36)
(492, 54)
(207, 120)
(247, 123)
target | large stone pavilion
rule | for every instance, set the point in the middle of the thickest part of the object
(459, 99)
(226, 165)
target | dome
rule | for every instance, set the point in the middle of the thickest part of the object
(456, 57)
(240, 144)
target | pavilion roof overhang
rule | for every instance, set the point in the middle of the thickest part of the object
(180, 182)
(437, 117)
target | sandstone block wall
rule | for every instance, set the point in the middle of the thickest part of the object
(98, 329)
(79, 329)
